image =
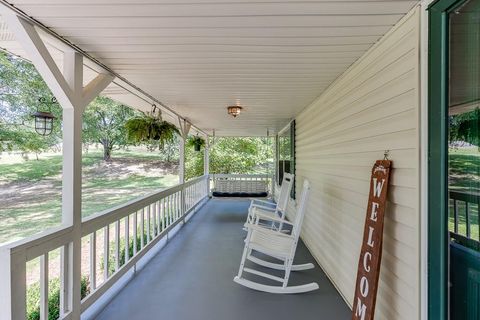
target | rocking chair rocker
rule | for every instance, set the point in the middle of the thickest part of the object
(276, 244)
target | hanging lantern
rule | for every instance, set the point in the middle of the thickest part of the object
(234, 110)
(44, 120)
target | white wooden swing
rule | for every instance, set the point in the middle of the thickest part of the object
(276, 244)
(271, 209)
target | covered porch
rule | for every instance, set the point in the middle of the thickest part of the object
(337, 81)
(191, 278)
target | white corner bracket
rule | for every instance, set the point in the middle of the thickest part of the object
(67, 87)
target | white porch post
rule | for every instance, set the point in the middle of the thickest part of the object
(181, 164)
(68, 88)
(13, 285)
(275, 166)
(181, 174)
(206, 157)
(206, 163)
(184, 130)
(72, 188)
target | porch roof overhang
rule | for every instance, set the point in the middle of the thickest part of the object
(272, 57)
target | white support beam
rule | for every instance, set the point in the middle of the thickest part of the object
(68, 88)
(95, 87)
(73, 75)
(72, 164)
(72, 202)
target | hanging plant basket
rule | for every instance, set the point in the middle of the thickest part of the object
(196, 142)
(147, 128)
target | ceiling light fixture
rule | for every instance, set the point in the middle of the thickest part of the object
(234, 110)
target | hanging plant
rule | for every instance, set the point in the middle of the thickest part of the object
(148, 128)
(196, 142)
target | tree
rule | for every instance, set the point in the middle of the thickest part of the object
(232, 155)
(240, 155)
(21, 87)
(169, 151)
(193, 163)
(104, 123)
(465, 127)
(7, 138)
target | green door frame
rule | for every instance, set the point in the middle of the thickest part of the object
(438, 240)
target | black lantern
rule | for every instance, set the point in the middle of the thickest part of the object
(44, 119)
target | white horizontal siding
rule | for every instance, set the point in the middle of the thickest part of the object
(372, 107)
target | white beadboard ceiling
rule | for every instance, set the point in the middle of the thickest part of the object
(272, 57)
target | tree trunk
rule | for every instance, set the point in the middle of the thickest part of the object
(107, 150)
(107, 154)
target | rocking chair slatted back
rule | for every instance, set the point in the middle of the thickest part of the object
(297, 223)
(280, 207)
(285, 191)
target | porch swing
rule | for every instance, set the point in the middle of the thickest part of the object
(240, 185)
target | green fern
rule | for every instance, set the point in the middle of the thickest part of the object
(146, 128)
(196, 142)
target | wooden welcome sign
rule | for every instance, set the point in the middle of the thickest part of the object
(371, 253)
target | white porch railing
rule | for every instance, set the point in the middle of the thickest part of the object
(137, 226)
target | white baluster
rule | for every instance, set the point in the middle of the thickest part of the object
(135, 226)
(117, 245)
(106, 251)
(127, 238)
(93, 260)
(44, 287)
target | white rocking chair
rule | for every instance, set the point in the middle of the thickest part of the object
(276, 244)
(269, 209)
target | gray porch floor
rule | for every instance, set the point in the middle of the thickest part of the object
(191, 278)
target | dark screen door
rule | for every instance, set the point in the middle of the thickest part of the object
(464, 159)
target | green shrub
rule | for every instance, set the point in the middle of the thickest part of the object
(33, 298)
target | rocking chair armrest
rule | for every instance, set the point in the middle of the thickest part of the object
(274, 219)
(254, 201)
(263, 208)
(256, 227)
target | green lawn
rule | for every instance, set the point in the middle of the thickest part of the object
(31, 190)
(464, 176)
